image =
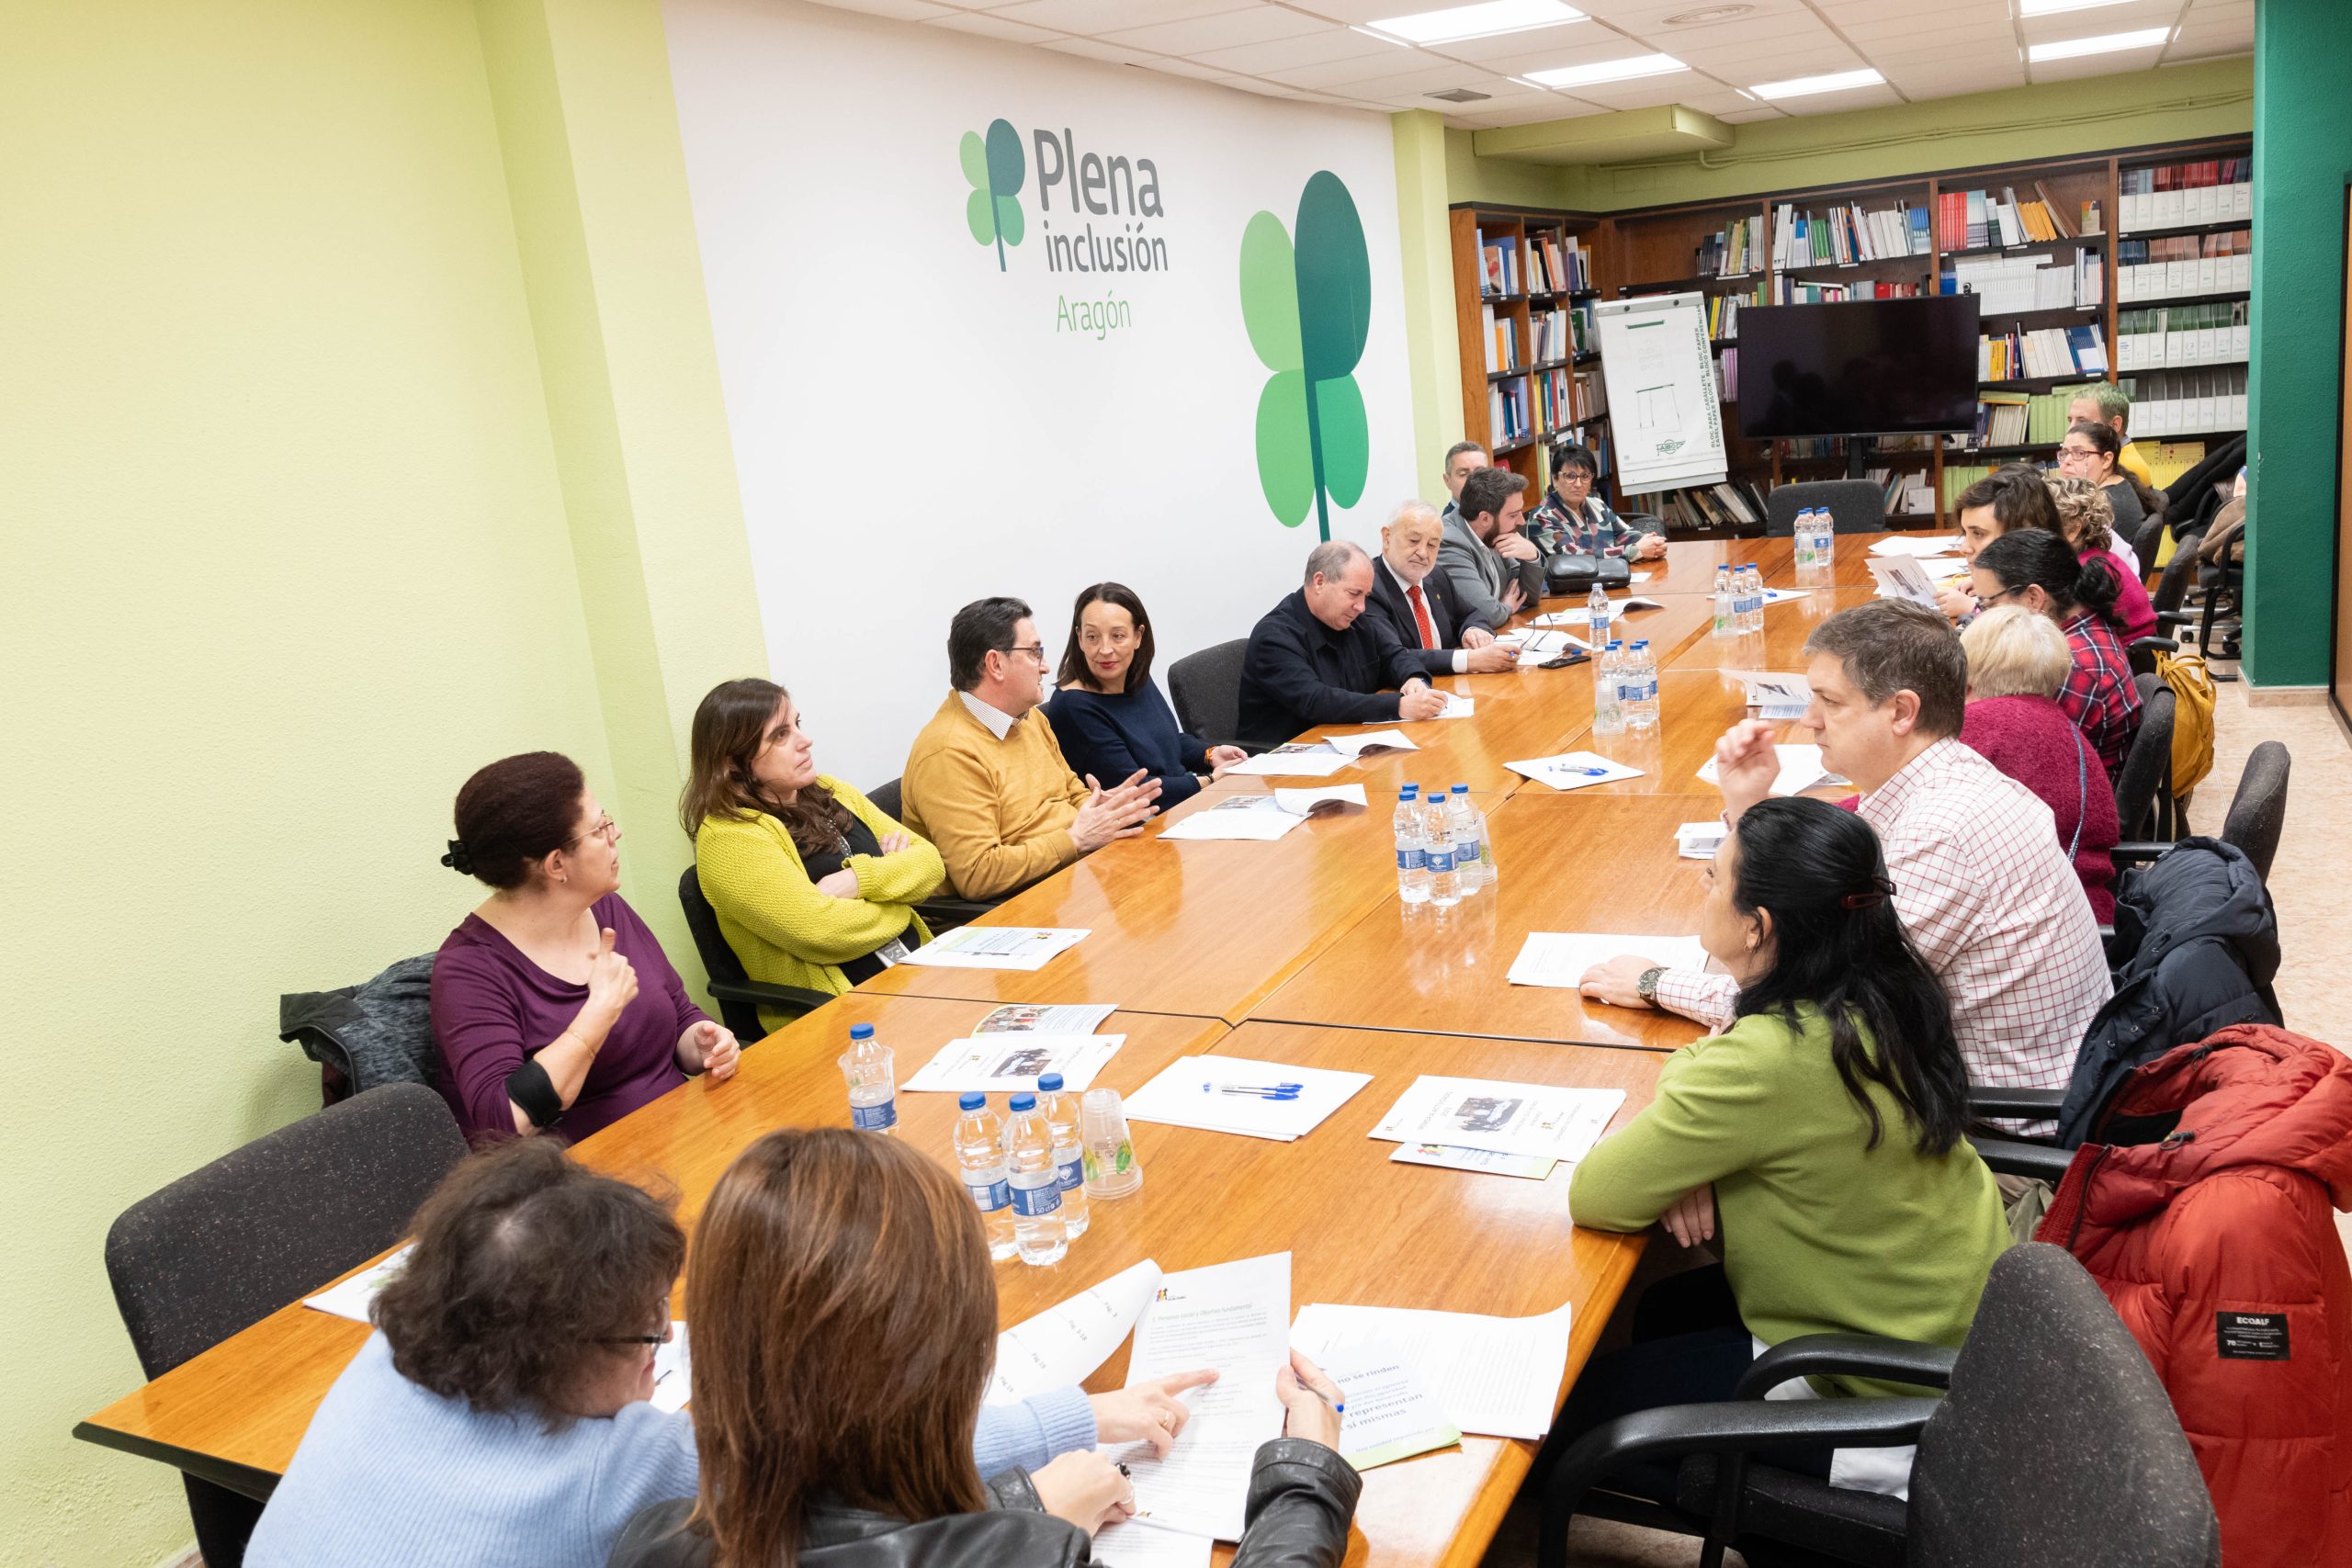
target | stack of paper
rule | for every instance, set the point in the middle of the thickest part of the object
(1499, 1376)
(1361, 741)
(1700, 841)
(1913, 545)
(1265, 817)
(1559, 959)
(1062, 1346)
(997, 947)
(1234, 1094)
(1779, 697)
(1502, 1118)
(1295, 760)
(1011, 1064)
(1574, 770)
(1801, 770)
(1389, 1415)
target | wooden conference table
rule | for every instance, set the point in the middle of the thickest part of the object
(1296, 950)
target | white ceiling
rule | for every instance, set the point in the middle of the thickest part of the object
(1306, 48)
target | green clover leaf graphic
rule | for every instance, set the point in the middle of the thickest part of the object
(1308, 308)
(995, 169)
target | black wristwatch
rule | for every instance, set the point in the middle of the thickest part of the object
(1645, 988)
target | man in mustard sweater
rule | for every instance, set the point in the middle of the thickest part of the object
(986, 781)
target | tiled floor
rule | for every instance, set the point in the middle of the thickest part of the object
(2307, 883)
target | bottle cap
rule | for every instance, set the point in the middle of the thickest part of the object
(861, 1031)
(1461, 789)
(1050, 1083)
(1025, 1102)
(971, 1099)
(1407, 792)
(1614, 644)
(1640, 643)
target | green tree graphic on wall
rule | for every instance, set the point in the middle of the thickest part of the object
(996, 168)
(1307, 307)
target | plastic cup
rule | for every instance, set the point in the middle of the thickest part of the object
(1112, 1169)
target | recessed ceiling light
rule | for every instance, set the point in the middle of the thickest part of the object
(2051, 7)
(1484, 20)
(1798, 87)
(2068, 49)
(1608, 70)
(1706, 14)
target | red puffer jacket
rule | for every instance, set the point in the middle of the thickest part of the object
(2218, 1250)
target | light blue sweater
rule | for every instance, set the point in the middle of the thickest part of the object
(390, 1476)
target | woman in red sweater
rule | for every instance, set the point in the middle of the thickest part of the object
(2088, 523)
(2017, 659)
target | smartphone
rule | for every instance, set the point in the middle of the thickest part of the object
(1573, 656)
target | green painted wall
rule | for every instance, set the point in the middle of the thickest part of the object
(2303, 156)
(285, 560)
(1502, 181)
(1432, 344)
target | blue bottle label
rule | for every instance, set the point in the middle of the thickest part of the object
(1410, 860)
(1440, 861)
(1032, 1203)
(874, 1118)
(988, 1198)
(1073, 1172)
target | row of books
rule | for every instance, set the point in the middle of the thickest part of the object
(1731, 251)
(1558, 335)
(1958, 477)
(2183, 334)
(2173, 196)
(1727, 375)
(2184, 264)
(1556, 264)
(2188, 401)
(1848, 235)
(1976, 219)
(2013, 282)
(1723, 315)
(2002, 419)
(1734, 504)
(2019, 354)
(1907, 490)
(1798, 291)
(1508, 413)
(1563, 399)
(1503, 341)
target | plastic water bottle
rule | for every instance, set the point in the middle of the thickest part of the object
(1070, 1154)
(1641, 703)
(1608, 701)
(1598, 604)
(1037, 1185)
(873, 1093)
(1726, 613)
(1804, 540)
(1824, 541)
(1412, 864)
(1437, 840)
(1468, 830)
(979, 1156)
(1751, 599)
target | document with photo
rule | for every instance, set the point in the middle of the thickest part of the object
(1295, 760)
(1254, 817)
(1503, 1118)
(1362, 742)
(1039, 1017)
(997, 947)
(1011, 1063)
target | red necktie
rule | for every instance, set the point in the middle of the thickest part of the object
(1421, 614)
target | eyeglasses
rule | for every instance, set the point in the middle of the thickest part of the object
(2003, 593)
(2066, 452)
(1035, 650)
(1572, 476)
(669, 1332)
(606, 830)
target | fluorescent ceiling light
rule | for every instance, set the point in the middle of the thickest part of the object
(1485, 20)
(1800, 86)
(2051, 7)
(2068, 49)
(1608, 70)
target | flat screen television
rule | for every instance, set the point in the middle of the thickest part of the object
(1863, 367)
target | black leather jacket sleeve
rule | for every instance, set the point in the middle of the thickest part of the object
(1302, 1498)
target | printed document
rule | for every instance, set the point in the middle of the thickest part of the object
(1901, 577)
(1499, 1376)
(1777, 696)
(1505, 1118)
(1560, 958)
(1574, 770)
(1914, 545)
(1011, 1064)
(1063, 1345)
(1356, 745)
(1390, 1415)
(1234, 1094)
(997, 947)
(1259, 818)
(674, 1372)
(1133, 1545)
(1801, 770)
(1582, 614)
(1329, 801)
(354, 1296)
(1037, 1017)
(1295, 760)
(1700, 841)
(1533, 1167)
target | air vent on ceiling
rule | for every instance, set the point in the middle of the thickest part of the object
(1459, 95)
(1705, 14)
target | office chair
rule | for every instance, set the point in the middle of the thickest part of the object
(2144, 809)
(941, 911)
(739, 997)
(1856, 506)
(1206, 690)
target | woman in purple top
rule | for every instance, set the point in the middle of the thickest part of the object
(553, 1006)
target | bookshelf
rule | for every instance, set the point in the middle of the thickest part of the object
(1525, 281)
(2057, 300)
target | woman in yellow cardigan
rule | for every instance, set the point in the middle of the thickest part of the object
(812, 884)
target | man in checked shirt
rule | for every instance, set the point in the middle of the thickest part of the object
(1981, 880)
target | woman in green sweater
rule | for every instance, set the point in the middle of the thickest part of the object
(1823, 1130)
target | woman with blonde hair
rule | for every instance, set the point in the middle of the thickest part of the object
(2087, 520)
(2016, 661)
(844, 1318)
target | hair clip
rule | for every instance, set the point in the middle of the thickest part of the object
(1880, 890)
(458, 860)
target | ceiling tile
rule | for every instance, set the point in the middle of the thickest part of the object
(1368, 69)
(1094, 49)
(1228, 29)
(1503, 46)
(1525, 114)
(994, 27)
(1835, 102)
(897, 10)
(1092, 17)
(2091, 65)
(1174, 67)
(1356, 12)
(1432, 77)
(1288, 53)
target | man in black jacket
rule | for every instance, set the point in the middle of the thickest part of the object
(1419, 604)
(1312, 661)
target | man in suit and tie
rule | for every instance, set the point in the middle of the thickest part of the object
(1495, 570)
(1419, 604)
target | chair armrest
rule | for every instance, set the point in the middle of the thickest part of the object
(945, 914)
(2028, 1104)
(797, 1000)
(2136, 852)
(1856, 1355)
(1733, 1427)
(2012, 1156)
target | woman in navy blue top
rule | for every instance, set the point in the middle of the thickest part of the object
(1108, 715)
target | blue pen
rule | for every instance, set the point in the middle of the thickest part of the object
(1583, 773)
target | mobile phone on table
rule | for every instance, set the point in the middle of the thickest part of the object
(1561, 662)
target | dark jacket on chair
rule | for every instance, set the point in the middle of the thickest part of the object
(2202, 1207)
(1301, 1497)
(1299, 672)
(1446, 616)
(2196, 946)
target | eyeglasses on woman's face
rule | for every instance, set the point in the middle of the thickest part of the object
(2075, 455)
(669, 1332)
(606, 829)
(1987, 600)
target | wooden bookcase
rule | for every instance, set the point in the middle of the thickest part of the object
(1478, 302)
(1657, 250)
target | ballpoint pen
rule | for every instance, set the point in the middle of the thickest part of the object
(1582, 773)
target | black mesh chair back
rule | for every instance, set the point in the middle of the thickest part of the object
(886, 800)
(1856, 506)
(2147, 767)
(224, 1247)
(2056, 1442)
(1206, 690)
(2259, 810)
